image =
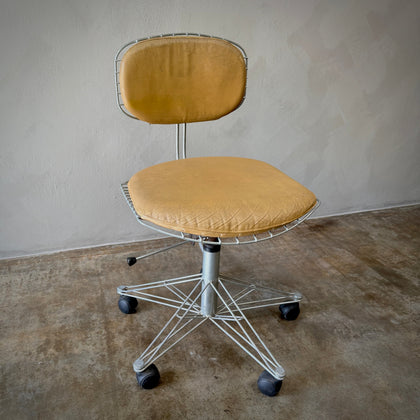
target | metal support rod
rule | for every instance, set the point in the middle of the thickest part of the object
(150, 353)
(184, 142)
(161, 250)
(177, 142)
(265, 358)
(210, 277)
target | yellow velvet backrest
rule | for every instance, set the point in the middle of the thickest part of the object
(182, 79)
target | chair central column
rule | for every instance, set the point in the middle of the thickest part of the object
(210, 275)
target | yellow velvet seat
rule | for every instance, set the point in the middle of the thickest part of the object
(218, 196)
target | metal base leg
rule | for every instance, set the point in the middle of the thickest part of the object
(213, 297)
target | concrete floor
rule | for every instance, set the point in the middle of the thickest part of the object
(66, 351)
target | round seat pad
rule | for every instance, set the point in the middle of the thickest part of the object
(218, 196)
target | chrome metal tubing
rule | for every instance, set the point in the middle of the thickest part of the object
(210, 277)
(177, 141)
(167, 248)
(184, 141)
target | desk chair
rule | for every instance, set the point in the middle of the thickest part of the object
(214, 201)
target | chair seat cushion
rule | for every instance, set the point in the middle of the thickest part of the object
(218, 196)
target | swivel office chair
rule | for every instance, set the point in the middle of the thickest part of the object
(214, 201)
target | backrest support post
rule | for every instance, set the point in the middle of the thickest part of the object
(177, 141)
(184, 141)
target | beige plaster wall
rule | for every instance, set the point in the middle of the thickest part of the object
(333, 100)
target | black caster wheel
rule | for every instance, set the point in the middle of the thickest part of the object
(127, 304)
(148, 378)
(289, 311)
(268, 384)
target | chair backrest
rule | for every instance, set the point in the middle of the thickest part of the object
(181, 79)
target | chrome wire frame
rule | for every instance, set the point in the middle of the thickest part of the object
(237, 240)
(229, 317)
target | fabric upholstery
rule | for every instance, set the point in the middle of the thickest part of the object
(172, 80)
(218, 196)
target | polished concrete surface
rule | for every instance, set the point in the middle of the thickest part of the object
(66, 351)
